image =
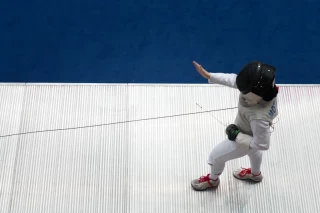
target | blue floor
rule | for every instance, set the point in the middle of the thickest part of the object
(128, 41)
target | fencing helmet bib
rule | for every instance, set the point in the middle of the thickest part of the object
(257, 79)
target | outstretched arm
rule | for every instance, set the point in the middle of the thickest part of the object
(225, 79)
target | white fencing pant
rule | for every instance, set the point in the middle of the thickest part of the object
(228, 150)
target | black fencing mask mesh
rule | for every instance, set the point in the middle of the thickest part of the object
(258, 78)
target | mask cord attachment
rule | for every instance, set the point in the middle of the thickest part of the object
(272, 125)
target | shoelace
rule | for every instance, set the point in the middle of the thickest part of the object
(204, 178)
(244, 172)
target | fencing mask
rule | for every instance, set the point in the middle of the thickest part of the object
(257, 79)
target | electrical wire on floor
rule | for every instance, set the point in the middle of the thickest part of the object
(118, 122)
(213, 116)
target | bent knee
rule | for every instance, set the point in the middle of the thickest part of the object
(213, 160)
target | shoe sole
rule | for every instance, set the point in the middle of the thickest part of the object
(256, 181)
(209, 188)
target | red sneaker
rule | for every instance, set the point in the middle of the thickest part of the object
(245, 174)
(204, 182)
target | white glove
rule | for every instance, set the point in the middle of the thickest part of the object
(244, 140)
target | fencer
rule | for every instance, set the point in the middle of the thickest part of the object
(250, 133)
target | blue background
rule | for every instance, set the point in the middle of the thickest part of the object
(129, 41)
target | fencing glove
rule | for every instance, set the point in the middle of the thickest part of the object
(234, 134)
